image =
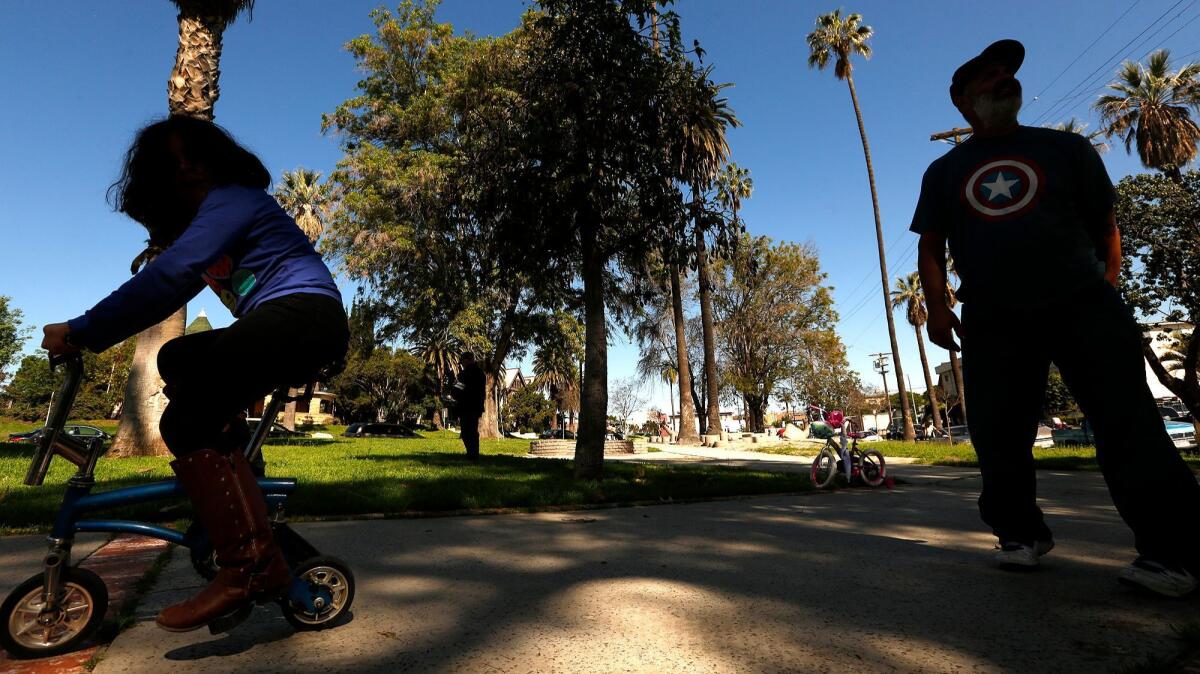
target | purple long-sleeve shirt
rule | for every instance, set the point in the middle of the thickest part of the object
(241, 244)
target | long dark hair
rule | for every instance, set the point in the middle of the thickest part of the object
(148, 189)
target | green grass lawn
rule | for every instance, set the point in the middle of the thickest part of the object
(344, 477)
(941, 454)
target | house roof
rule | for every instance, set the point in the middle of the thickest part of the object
(200, 324)
(513, 376)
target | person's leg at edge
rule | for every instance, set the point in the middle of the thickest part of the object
(1004, 375)
(470, 437)
(1153, 489)
(246, 362)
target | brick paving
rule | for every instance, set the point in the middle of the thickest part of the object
(121, 563)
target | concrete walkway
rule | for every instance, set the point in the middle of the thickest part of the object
(855, 580)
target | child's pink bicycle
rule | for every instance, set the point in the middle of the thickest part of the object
(836, 458)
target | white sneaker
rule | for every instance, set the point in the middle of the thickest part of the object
(1148, 574)
(1021, 556)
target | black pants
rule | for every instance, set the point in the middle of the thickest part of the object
(470, 435)
(213, 376)
(1096, 344)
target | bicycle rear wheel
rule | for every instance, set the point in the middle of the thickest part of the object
(872, 468)
(824, 468)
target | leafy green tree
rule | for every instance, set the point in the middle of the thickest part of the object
(385, 385)
(627, 400)
(431, 145)
(1058, 397)
(527, 410)
(911, 296)
(595, 180)
(837, 39)
(1160, 245)
(1153, 107)
(774, 312)
(13, 334)
(28, 394)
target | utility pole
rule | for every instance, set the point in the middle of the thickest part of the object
(955, 137)
(881, 366)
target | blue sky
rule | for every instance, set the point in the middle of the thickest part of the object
(80, 78)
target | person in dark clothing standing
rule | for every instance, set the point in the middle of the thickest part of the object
(469, 390)
(1028, 215)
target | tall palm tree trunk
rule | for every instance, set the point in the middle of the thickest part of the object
(711, 383)
(192, 90)
(905, 411)
(930, 391)
(593, 396)
(956, 370)
(687, 409)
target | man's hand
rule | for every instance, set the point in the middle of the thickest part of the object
(54, 339)
(942, 326)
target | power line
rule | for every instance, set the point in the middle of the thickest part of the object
(1116, 56)
(1086, 49)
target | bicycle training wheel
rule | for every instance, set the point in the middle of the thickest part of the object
(29, 631)
(872, 468)
(324, 601)
(824, 468)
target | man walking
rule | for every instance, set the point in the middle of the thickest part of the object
(468, 394)
(1028, 214)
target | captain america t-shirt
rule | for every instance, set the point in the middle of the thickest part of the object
(1023, 213)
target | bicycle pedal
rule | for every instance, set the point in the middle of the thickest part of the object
(230, 620)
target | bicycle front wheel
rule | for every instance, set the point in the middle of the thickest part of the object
(872, 469)
(824, 468)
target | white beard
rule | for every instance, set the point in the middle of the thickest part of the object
(998, 111)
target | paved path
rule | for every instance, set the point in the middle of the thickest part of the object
(856, 580)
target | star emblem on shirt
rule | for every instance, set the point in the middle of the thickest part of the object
(1000, 186)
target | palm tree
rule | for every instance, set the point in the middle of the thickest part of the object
(653, 331)
(1073, 125)
(192, 90)
(440, 352)
(306, 199)
(955, 363)
(1152, 106)
(839, 38)
(908, 292)
(703, 151)
(555, 372)
(734, 185)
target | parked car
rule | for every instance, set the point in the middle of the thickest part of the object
(557, 434)
(375, 430)
(76, 430)
(1182, 434)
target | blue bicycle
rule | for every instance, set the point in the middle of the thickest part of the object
(57, 610)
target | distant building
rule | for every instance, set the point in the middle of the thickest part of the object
(200, 324)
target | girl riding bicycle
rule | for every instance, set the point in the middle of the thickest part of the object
(203, 200)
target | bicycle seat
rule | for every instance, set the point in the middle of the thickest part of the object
(321, 374)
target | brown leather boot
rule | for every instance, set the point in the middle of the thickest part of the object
(230, 506)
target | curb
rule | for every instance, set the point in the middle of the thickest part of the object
(122, 562)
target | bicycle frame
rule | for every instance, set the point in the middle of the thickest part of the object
(78, 499)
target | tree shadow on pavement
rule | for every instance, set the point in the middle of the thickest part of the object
(854, 580)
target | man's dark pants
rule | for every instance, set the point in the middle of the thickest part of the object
(470, 435)
(1097, 345)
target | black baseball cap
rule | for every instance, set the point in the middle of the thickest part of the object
(1007, 52)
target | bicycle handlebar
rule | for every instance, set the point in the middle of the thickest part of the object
(53, 441)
